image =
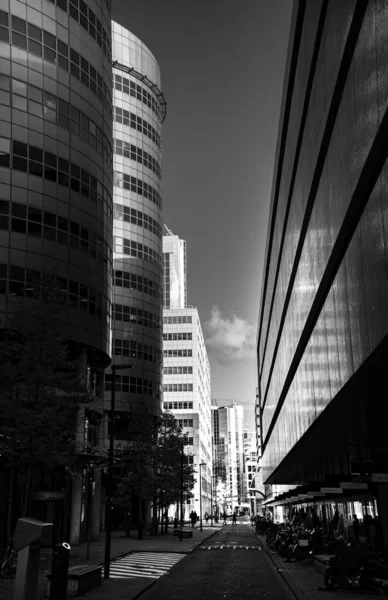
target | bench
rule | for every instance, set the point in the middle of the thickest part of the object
(186, 533)
(80, 579)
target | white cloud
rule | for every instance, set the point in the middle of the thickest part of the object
(229, 338)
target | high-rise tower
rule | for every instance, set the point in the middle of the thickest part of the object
(56, 178)
(174, 270)
(228, 451)
(138, 112)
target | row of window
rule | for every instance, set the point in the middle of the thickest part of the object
(19, 281)
(131, 248)
(177, 405)
(133, 184)
(178, 387)
(132, 281)
(79, 11)
(168, 337)
(133, 385)
(122, 84)
(183, 353)
(184, 422)
(131, 120)
(178, 370)
(131, 215)
(136, 316)
(35, 161)
(46, 106)
(44, 224)
(47, 46)
(134, 153)
(135, 349)
(177, 320)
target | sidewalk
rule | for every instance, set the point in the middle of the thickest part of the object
(304, 581)
(116, 589)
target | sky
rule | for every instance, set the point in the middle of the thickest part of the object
(222, 65)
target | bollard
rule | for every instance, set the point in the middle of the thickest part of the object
(59, 572)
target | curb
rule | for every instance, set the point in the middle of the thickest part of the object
(146, 588)
(206, 539)
(263, 547)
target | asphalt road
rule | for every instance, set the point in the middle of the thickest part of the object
(230, 565)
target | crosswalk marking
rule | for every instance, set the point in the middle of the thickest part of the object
(150, 565)
(239, 531)
(226, 547)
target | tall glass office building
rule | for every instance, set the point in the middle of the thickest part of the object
(323, 325)
(56, 176)
(228, 454)
(139, 110)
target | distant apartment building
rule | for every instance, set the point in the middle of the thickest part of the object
(186, 371)
(228, 452)
(251, 472)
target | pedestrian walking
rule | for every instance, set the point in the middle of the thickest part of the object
(224, 517)
(193, 518)
(206, 517)
(335, 521)
(234, 518)
(154, 526)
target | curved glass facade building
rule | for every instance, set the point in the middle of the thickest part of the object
(56, 209)
(138, 112)
(56, 158)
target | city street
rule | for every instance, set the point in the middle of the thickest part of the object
(229, 565)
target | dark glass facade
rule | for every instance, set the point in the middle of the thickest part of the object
(56, 210)
(323, 324)
(56, 159)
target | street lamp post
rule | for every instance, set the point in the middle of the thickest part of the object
(211, 500)
(109, 483)
(181, 522)
(200, 494)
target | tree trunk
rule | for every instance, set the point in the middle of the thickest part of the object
(166, 519)
(26, 503)
(10, 502)
(127, 519)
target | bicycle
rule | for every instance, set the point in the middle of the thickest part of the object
(301, 551)
(8, 562)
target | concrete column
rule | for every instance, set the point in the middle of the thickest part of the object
(96, 506)
(382, 504)
(75, 519)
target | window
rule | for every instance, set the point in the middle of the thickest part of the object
(4, 152)
(18, 25)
